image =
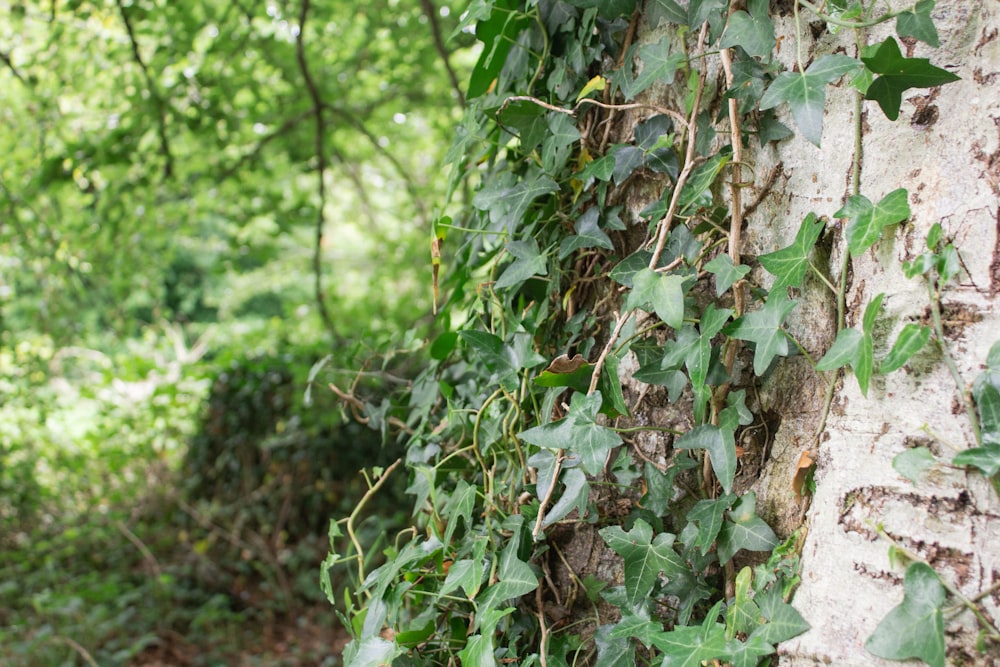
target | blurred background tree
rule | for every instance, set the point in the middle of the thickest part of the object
(199, 200)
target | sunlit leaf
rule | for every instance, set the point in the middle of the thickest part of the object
(866, 220)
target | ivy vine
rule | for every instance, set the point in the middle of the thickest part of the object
(546, 283)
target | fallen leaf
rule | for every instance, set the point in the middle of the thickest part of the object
(802, 468)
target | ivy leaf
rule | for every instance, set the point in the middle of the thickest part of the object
(845, 351)
(574, 496)
(497, 34)
(645, 558)
(915, 628)
(664, 291)
(588, 234)
(707, 515)
(914, 463)
(515, 578)
(743, 615)
(855, 348)
(529, 121)
(986, 459)
(753, 31)
(763, 327)
(602, 168)
(578, 432)
(658, 65)
(918, 23)
(371, 652)
(558, 145)
(721, 447)
(986, 392)
(789, 265)
(726, 274)
(528, 262)
(805, 92)
(911, 340)
(899, 74)
(692, 646)
(866, 220)
(508, 203)
(627, 159)
(784, 621)
(613, 651)
(744, 530)
(749, 653)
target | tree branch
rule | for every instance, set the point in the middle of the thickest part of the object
(161, 114)
(431, 12)
(317, 103)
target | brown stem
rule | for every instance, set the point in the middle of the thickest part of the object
(430, 11)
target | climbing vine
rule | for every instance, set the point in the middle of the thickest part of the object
(519, 432)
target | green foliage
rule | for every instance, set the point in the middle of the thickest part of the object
(515, 431)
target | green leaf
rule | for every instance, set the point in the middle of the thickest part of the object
(664, 291)
(371, 652)
(726, 274)
(558, 145)
(743, 614)
(692, 646)
(987, 395)
(914, 463)
(911, 340)
(805, 92)
(528, 119)
(749, 653)
(854, 348)
(784, 621)
(899, 74)
(753, 31)
(658, 65)
(507, 203)
(497, 34)
(871, 312)
(986, 459)
(763, 327)
(866, 220)
(789, 265)
(645, 558)
(574, 496)
(515, 578)
(602, 168)
(915, 628)
(613, 651)
(707, 515)
(528, 262)
(744, 530)
(588, 234)
(579, 433)
(918, 24)
(721, 447)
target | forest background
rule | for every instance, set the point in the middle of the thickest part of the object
(200, 200)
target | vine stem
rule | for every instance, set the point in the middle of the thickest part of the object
(888, 16)
(664, 224)
(963, 392)
(349, 525)
(692, 135)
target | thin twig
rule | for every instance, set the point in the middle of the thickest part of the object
(692, 134)
(349, 525)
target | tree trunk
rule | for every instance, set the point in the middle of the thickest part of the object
(944, 150)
